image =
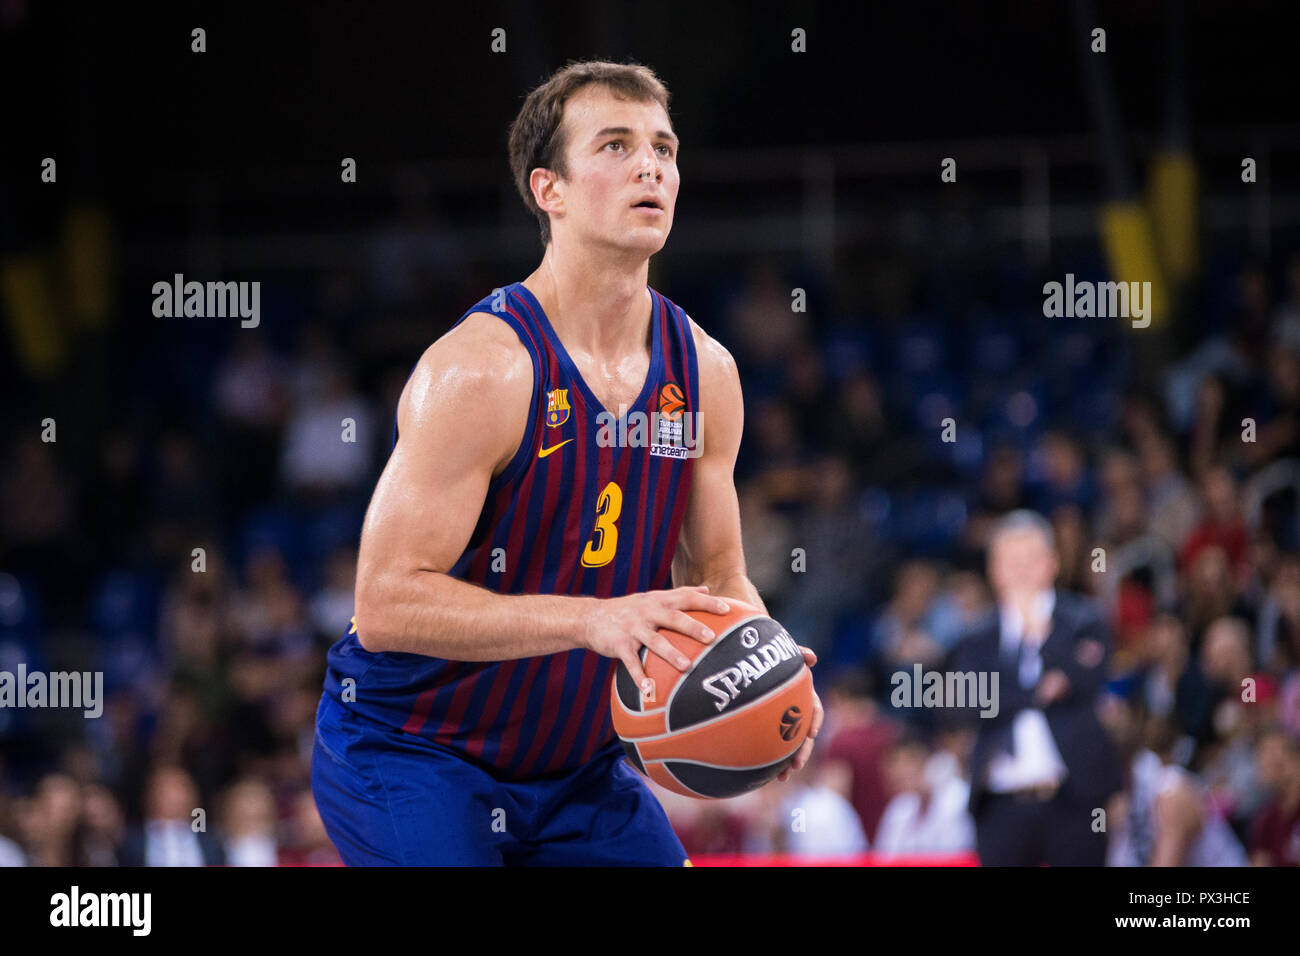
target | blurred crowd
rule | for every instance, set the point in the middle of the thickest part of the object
(201, 554)
(1175, 514)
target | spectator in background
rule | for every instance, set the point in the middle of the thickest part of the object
(1174, 686)
(809, 394)
(838, 559)
(963, 605)
(1002, 491)
(927, 813)
(48, 822)
(1209, 592)
(1275, 831)
(1277, 414)
(784, 479)
(762, 321)
(1201, 388)
(900, 636)
(1074, 545)
(1227, 761)
(1221, 526)
(1165, 817)
(1043, 763)
(767, 544)
(1141, 418)
(1279, 618)
(251, 399)
(169, 837)
(1121, 516)
(1173, 508)
(859, 734)
(862, 435)
(815, 819)
(103, 829)
(268, 613)
(248, 824)
(1064, 474)
(330, 442)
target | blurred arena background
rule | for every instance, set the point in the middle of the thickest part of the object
(817, 171)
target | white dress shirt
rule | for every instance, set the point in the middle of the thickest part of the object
(1035, 759)
(945, 826)
(171, 843)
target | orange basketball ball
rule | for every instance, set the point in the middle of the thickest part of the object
(730, 723)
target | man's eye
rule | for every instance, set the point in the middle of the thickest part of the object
(668, 150)
(614, 143)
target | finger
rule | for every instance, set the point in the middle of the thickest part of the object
(808, 653)
(819, 715)
(686, 625)
(801, 758)
(632, 661)
(660, 645)
(690, 599)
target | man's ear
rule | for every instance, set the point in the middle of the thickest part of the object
(547, 190)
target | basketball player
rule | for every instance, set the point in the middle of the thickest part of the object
(512, 553)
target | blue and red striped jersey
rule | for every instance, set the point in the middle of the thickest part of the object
(591, 504)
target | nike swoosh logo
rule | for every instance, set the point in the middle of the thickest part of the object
(543, 452)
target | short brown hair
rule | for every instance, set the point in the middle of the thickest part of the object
(537, 135)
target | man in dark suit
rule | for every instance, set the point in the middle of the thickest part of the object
(1043, 766)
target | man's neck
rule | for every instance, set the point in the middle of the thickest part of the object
(598, 304)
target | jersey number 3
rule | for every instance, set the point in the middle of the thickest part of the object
(604, 540)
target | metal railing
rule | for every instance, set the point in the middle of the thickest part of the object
(792, 200)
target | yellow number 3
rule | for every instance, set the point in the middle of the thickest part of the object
(604, 540)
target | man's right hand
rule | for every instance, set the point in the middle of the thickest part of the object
(619, 627)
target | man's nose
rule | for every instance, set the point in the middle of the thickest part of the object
(648, 164)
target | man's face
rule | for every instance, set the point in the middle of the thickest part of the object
(619, 154)
(1271, 760)
(1021, 562)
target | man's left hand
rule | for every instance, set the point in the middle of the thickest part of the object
(805, 750)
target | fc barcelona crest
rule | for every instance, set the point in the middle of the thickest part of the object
(557, 407)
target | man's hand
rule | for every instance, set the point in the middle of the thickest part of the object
(618, 627)
(805, 751)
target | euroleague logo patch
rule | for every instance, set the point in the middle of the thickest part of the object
(671, 401)
(790, 722)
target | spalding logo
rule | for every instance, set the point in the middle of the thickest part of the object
(727, 684)
(749, 636)
(790, 722)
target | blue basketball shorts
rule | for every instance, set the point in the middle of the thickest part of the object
(389, 798)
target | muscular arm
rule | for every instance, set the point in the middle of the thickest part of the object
(709, 548)
(460, 419)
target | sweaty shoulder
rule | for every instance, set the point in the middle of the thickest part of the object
(719, 377)
(474, 385)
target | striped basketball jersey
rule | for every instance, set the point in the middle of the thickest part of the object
(591, 504)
